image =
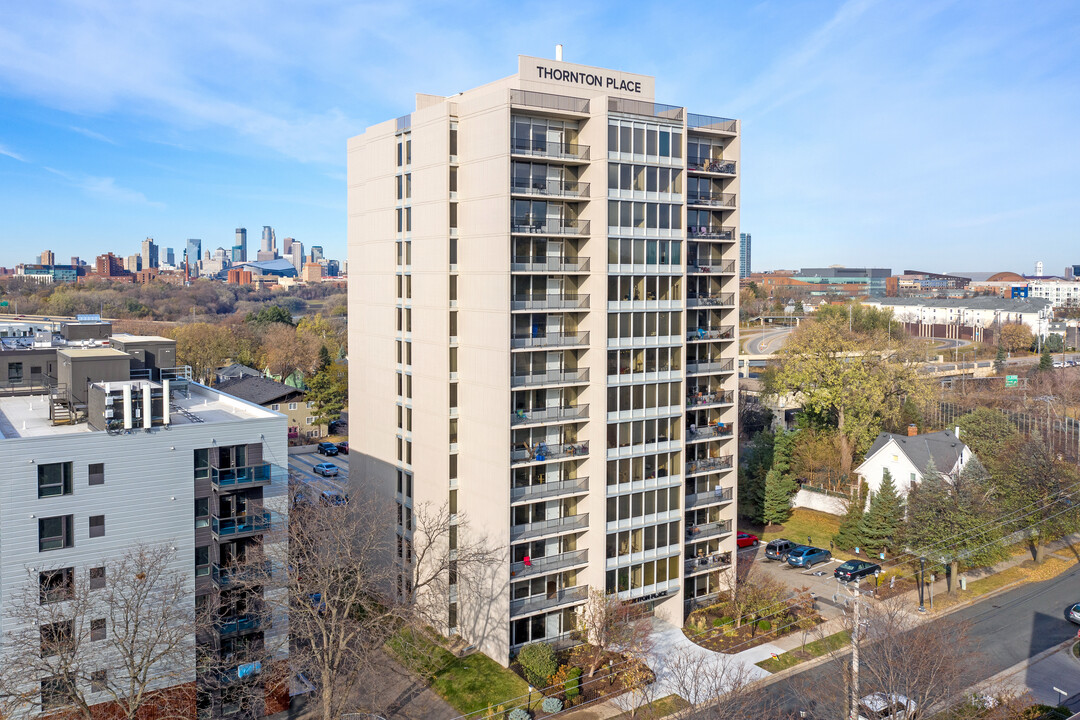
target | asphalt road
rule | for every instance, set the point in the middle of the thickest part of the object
(1004, 630)
(762, 343)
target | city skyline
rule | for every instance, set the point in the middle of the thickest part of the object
(878, 121)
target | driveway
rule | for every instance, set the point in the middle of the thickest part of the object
(302, 464)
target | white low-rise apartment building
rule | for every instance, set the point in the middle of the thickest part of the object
(974, 313)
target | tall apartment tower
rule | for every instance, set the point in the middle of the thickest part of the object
(48, 257)
(744, 255)
(239, 250)
(149, 254)
(546, 341)
(269, 239)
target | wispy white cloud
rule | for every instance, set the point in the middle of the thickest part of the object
(91, 134)
(6, 152)
(105, 188)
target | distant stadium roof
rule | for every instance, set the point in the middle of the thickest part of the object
(280, 267)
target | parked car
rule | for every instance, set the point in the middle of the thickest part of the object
(337, 426)
(1074, 614)
(343, 447)
(882, 706)
(334, 497)
(855, 569)
(779, 549)
(325, 469)
(328, 449)
(807, 557)
(746, 540)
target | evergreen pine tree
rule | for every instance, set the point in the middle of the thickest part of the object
(881, 525)
(779, 490)
(999, 360)
(1046, 361)
(758, 458)
(849, 534)
(324, 359)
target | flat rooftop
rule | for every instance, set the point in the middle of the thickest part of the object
(129, 338)
(28, 416)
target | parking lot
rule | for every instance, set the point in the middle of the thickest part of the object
(819, 580)
(302, 464)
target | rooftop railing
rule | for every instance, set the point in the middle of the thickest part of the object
(554, 150)
(549, 226)
(549, 414)
(643, 107)
(549, 188)
(536, 603)
(694, 121)
(552, 377)
(549, 101)
(539, 491)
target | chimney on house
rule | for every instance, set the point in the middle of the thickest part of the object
(912, 430)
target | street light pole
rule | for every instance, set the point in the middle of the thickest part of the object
(922, 583)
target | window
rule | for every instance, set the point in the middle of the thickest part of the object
(97, 630)
(310, 403)
(309, 420)
(57, 637)
(97, 578)
(54, 693)
(202, 561)
(55, 533)
(202, 512)
(54, 479)
(97, 473)
(97, 526)
(15, 372)
(202, 464)
(56, 585)
(292, 406)
(99, 680)
(275, 407)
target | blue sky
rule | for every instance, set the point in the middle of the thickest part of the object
(929, 135)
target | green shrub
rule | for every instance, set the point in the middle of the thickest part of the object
(727, 620)
(539, 663)
(520, 714)
(716, 622)
(551, 705)
(764, 625)
(572, 686)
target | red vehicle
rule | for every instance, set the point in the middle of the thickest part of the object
(746, 540)
(343, 447)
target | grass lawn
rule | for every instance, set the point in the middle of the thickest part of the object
(657, 708)
(813, 650)
(469, 684)
(1027, 571)
(805, 523)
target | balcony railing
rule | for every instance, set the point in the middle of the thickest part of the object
(552, 339)
(549, 101)
(711, 300)
(708, 530)
(720, 366)
(542, 452)
(709, 398)
(549, 264)
(711, 165)
(537, 603)
(708, 563)
(709, 122)
(225, 577)
(548, 188)
(710, 464)
(240, 525)
(642, 107)
(716, 332)
(555, 526)
(714, 267)
(551, 563)
(552, 377)
(249, 476)
(549, 414)
(710, 232)
(549, 226)
(552, 150)
(550, 301)
(539, 491)
(711, 199)
(705, 432)
(238, 624)
(704, 499)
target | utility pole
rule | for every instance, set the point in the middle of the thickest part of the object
(855, 656)
(922, 583)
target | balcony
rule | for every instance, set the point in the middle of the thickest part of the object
(695, 533)
(550, 301)
(719, 561)
(541, 148)
(250, 476)
(710, 232)
(708, 432)
(549, 265)
(718, 397)
(537, 603)
(714, 166)
(540, 491)
(711, 267)
(550, 188)
(555, 526)
(711, 300)
(226, 577)
(710, 123)
(242, 525)
(234, 625)
(542, 452)
(548, 226)
(552, 377)
(549, 340)
(709, 464)
(711, 199)
(551, 563)
(644, 108)
(718, 366)
(698, 500)
(549, 101)
(713, 332)
(549, 414)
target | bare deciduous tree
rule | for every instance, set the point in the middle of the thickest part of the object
(607, 624)
(125, 638)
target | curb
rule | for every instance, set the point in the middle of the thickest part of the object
(1024, 664)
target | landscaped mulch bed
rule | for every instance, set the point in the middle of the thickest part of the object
(605, 683)
(714, 629)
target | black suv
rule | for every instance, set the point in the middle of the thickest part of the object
(779, 549)
(328, 449)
